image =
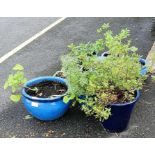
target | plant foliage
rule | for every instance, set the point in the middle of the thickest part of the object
(15, 81)
(96, 81)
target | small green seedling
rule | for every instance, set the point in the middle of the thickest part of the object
(16, 81)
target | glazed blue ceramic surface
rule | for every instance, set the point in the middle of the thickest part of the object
(45, 109)
(144, 69)
(120, 115)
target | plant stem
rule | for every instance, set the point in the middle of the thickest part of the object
(31, 89)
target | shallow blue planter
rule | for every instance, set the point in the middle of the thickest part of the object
(144, 69)
(120, 117)
(45, 108)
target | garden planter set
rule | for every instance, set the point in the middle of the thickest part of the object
(47, 109)
(99, 84)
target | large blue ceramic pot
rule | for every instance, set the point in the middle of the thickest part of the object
(45, 108)
(143, 62)
(120, 115)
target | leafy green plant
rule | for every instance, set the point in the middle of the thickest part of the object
(96, 82)
(15, 81)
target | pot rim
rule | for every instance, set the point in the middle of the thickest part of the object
(127, 103)
(38, 80)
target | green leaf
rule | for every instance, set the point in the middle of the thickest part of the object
(18, 67)
(15, 98)
(66, 99)
(6, 85)
(80, 100)
(133, 48)
(105, 26)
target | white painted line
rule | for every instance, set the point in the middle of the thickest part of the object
(15, 50)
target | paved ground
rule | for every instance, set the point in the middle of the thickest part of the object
(14, 31)
(41, 57)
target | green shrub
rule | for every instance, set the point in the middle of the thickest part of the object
(96, 82)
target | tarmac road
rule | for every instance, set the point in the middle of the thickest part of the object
(41, 57)
(14, 31)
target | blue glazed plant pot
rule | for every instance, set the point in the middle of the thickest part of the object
(45, 109)
(143, 62)
(144, 69)
(120, 115)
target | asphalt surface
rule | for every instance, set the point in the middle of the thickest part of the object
(41, 57)
(14, 31)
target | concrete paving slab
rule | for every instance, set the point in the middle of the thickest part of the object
(151, 58)
(41, 57)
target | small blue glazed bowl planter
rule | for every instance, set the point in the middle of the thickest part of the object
(143, 62)
(120, 115)
(45, 109)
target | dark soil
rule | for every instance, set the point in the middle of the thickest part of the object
(46, 89)
(121, 97)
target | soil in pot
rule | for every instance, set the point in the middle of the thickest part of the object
(46, 89)
(119, 96)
